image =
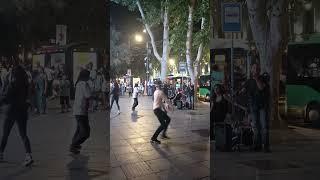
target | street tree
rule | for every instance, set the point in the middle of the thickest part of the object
(120, 54)
(154, 13)
(268, 21)
(193, 65)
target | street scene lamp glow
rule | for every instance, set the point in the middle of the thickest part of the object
(144, 31)
(138, 38)
(171, 62)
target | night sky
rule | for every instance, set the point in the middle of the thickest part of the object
(125, 21)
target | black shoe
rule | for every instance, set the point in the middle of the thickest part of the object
(74, 150)
(155, 141)
(165, 137)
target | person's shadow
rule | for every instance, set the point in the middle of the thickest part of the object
(78, 168)
(134, 116)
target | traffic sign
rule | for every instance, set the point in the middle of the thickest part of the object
(182, 66)
(231, 17)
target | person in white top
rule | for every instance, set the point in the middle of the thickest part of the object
(160, 106)
(135, 95)
(80, 111)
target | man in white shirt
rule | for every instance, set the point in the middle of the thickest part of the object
(160, 105)
(135, 95)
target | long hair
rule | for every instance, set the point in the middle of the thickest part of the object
(84, 75)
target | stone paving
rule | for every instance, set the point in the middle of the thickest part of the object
(295, 156)
(50, 136)
(185, 156)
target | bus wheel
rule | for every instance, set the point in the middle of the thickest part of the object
(313, 114)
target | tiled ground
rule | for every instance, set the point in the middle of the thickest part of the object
(50, 136)
(295, 156)
(185, 156)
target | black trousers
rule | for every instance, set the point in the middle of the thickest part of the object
(20, 116)
(82, 132)
(115, 98)
(164, 120)
(135, 103)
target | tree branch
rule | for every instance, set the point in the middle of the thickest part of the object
(154, 47)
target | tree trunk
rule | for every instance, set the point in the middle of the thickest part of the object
(278, 41)
(165, 47)
(268, 29)
(189, 41)
(165, 44)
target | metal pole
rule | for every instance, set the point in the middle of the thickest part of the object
(232, 77)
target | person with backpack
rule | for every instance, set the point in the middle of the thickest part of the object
(115, 95)
(80, 111)
(16, 96)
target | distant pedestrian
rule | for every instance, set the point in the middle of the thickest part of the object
(161, 105)
(135, 96)
(115, 95)
(16, 97)
(40, 88)
(80, 111)
(64, 94)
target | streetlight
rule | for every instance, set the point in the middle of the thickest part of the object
(138, 38)
(144, 31)
(171, 62)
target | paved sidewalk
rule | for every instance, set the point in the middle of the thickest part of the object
(50, 136)
(295, 156)
(185, 156)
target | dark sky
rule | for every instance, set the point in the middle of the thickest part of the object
(125, 21)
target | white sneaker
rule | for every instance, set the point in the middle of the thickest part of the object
(118, 112)
(28, 160)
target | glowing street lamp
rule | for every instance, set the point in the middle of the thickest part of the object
(144, 31)
(171, 62)
(138, 38)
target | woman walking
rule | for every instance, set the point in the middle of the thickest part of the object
(41, 88)
(64, 94)
(160, 106)
(80, 111)
(115, 95)
(16, 98)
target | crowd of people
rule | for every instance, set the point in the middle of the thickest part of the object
(24, 89)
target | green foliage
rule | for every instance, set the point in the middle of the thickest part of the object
(120, 54)
(178, 34)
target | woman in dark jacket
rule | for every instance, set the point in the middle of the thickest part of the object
(218, 113)
(16, 97)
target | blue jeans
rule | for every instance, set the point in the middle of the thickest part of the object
(260, 125)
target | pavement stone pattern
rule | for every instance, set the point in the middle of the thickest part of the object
(185, 156)
(295, 156)
(50, 137)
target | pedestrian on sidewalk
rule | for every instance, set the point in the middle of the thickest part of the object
(16, 97)
(115, 95)
(257, 89)
(161, 105)
(40, 85)
(64, 93)
(80, 111)
(135, 97)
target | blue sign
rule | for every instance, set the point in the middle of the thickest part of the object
(231, 17)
